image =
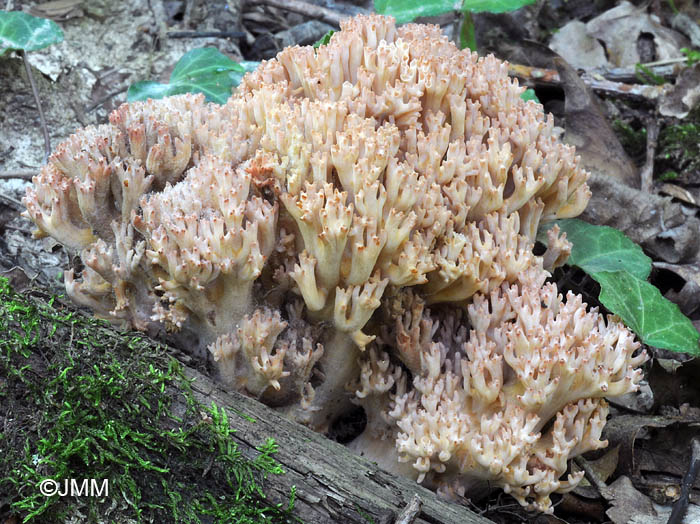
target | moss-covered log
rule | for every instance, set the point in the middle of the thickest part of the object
(79, 400)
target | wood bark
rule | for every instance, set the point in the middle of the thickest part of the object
(332, 483)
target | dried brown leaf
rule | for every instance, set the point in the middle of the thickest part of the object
(678, 192)
(603, 467)
(662, 227)
(688, 298)
(589, 131)
(573, 43)
(684, 96)
(58, 9)
(620, 28)
(627, 503)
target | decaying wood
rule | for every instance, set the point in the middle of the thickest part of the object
(541, 77)
(332, 484)
(410, 512)
(310, 10)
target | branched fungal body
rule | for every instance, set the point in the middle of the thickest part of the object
(356, 225)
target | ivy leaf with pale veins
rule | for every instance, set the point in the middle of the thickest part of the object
(494, 6)
(248, 67)
(529, 94)
(324, 39)
(22, 31)
(204, 70)
(601, 248)
(656, 320)
(408, 10)
(621, 268)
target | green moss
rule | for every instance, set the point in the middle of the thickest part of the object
(679, 145)
(81, 402)
(368, 518)
(634, 141)
(667, 176)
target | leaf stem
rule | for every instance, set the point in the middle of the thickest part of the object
(35, 92)
(467, 35)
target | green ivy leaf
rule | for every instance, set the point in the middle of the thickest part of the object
(21, 31)
(692, 55)
(324, 39)
(408, 10)
(601, 248)
(204, 70)
(248, 67)
(200, 62)
(645, 75)
(494, 6)
(529, 94)
(621, 268)
(656, 320)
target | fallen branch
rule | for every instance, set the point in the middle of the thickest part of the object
(306, 9)
(540, 77)
(333, 485)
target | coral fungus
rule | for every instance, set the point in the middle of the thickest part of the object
(356, 224)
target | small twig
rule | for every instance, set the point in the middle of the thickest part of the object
(592, 476)
(668, 61)
(630, 75)
(24, 174)
(205, 34)
(13, 202)
(208, 467)
(101, 101)
(310, 10)
(35, 91)
(681, 505)
(410, 512)
(647, 173)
